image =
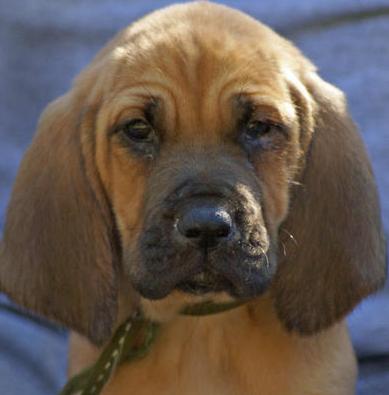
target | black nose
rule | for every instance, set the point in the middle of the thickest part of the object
(204, 224)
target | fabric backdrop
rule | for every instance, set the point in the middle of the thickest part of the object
(45, 43)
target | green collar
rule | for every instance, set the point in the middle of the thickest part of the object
(132, 340)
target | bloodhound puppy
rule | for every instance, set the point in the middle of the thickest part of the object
(200, 157)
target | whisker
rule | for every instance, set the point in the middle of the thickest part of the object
(296, 183)
(283, 248)
(266, 257)
(290, 236)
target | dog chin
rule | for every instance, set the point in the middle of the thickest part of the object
(166, 309)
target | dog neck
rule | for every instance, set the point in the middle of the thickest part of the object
(238, 351)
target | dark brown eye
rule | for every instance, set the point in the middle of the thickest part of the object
(256, 129)
(262, 135)
(139, 131)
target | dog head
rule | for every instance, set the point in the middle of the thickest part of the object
(198, 156)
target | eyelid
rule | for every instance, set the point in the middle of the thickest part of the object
(118, 127)
(281, 128)
(138, 124)
(266, 121)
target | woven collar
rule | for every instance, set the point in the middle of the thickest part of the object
(132, 340)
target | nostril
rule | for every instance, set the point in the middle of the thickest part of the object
(193, 233)
(223, 231)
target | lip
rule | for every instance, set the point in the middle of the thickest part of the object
(203, 283)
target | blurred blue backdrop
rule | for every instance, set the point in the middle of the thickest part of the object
(45, 43)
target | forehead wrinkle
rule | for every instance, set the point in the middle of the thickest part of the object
(194, 75)
(114, 108)
(148, 52)
(145, 92)
(261, 98)
(190, 69)
(215, 109)
(186, 76)
(185, 54)
(215, 73)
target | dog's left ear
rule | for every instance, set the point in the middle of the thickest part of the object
(334, 249)
(59, 255)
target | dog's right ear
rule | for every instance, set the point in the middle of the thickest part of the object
(59, 255)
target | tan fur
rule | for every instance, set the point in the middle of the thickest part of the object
(82, 200)
(244, 351)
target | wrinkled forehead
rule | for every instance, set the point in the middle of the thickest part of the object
(195, 80)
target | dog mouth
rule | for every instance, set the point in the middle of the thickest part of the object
(205, 282)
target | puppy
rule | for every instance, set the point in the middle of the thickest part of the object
(200, 158)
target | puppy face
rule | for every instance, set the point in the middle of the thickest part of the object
(198, 157)
(197, 151)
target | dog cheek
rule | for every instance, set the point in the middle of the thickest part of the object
(273, 179)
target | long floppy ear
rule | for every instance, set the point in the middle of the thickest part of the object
(334, 245)
(58, 257)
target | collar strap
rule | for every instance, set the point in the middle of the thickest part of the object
(132, 340)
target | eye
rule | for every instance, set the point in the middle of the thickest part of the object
(254, 130)
(265, 135)
(138, 131)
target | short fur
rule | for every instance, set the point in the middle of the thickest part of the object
(89, 230)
